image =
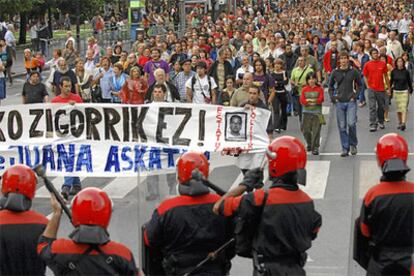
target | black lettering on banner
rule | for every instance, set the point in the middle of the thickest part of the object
(161, 124)
(137, 122)
(49, 124)
(2, 138)
(33, 132)
(77, 116)
(111, 117)
(201, 127)
(61, 130)
(125, 127)
(93, 117)
(176, 137)
(14, 115)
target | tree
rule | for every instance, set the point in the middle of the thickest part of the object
(24, 8)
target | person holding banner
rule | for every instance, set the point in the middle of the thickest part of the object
(246, 161)
(159, 95)
(71, 185)
(20, 227)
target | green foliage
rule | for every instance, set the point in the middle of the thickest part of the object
(12, 7)
(88, 8)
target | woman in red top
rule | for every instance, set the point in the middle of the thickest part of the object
(145, 57)
(134, 89)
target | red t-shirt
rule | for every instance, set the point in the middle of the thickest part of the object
(374, 71)
(72, 97)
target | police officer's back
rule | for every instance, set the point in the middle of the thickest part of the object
(184, 228)
(277, 226)
(89, 251)
(20, 227)
(387, 213)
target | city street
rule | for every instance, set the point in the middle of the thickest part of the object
(336, 184)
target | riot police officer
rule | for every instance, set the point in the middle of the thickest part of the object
(89, 251)
(387, 213)
(277, 226)
(20, 227)
(184, 228)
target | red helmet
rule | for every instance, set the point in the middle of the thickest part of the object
(91, 206)
(285, 154)
(19, 179)
(391, 146)
(190, 161)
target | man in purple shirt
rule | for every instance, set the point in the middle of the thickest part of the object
(155, 63)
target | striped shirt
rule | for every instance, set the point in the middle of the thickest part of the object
(179, 82)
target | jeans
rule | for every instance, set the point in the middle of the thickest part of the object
(361, 96)
(71, 181)
(377, 102)
(346, 116)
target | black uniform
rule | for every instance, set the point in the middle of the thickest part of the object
(186, 230)
(387, 219)
(284, 224)
(66, 257)
(19, 233)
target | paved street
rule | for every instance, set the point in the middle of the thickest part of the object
(337, 185)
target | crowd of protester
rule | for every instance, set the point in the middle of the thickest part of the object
(290, 50)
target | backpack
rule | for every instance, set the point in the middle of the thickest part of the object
(193, 81)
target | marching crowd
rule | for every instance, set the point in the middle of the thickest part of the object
(362, 52)
(282, 57)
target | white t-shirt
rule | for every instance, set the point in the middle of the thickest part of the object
(200, 87)
(404, 26)
(242, 71)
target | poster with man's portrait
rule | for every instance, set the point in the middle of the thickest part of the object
(235, 126)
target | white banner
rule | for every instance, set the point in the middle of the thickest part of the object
(122, 140)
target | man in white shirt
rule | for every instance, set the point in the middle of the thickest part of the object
(201, 88)
(394, 46)
(90, 65)
(244, 68)
(404, 26)
(10, 39)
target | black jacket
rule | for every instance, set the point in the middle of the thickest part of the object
(19, 233)
(386, 219)
(228, 70)
(185, 229)
(175, 95)
(62, 254)
(344, 85)
(289, 61)
(285, 222)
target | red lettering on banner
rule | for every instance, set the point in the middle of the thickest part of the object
(251, 125)
(219, 120)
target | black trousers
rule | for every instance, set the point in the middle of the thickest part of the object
(280, 103)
